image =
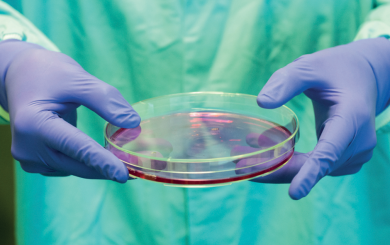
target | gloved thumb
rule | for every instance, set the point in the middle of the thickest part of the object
(283, 85)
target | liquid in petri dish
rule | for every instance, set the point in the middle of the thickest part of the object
(174, 148)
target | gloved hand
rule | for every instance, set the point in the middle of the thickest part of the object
(348, 85)
(41, 90)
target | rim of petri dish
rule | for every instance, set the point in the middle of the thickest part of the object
(206, 172)
(230, 158)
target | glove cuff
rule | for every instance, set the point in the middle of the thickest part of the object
(9, 49)
(377, 53)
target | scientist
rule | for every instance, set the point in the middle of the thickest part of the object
(150, 48)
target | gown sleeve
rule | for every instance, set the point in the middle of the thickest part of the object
(13, 25)
(377, 24)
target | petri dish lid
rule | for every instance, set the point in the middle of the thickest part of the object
(204, 139)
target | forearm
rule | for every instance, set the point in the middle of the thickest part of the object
(13, 25)
(378, 24)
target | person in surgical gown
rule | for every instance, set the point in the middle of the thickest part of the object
(151, 48)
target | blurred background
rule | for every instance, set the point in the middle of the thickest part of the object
(7, 213)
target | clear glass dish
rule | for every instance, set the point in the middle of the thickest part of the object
(204, 139)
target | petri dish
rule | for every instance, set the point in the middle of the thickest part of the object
(204, 139)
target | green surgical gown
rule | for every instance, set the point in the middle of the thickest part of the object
(148, 48)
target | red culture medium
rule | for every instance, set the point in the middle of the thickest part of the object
(202, 135)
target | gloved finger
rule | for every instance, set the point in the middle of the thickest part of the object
(69, 166)
(354, 164)
(43, 169)
(159, 145)
(73, 167)
(287, 172)
(126, 135)
(106, 101)
(266, 139)
(61, 174)
(260, 165)
(346, 171)
(152, 164)
(284, 85)
(241, 150)
(252, 139)
(63, 137)
(333, 142)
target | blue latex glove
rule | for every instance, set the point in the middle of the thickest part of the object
(349, 85)
(41, 90)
